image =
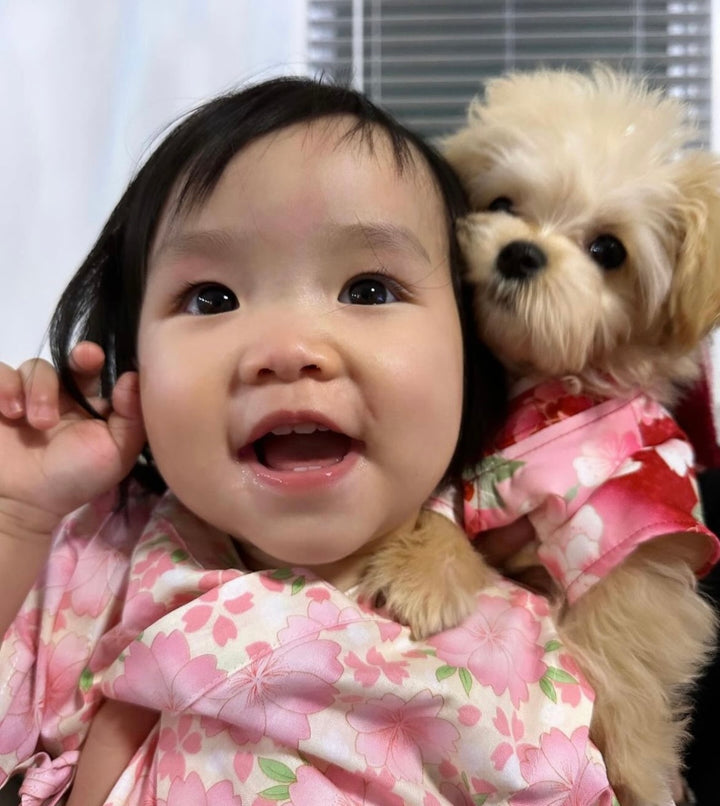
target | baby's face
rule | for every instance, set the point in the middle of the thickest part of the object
(300, 352)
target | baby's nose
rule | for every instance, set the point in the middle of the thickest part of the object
(285, 355)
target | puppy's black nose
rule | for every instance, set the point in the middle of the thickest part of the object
(520, 260)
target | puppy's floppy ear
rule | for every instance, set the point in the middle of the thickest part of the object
(466, 151)
(694, 302)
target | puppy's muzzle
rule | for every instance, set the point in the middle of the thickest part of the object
(520, 260)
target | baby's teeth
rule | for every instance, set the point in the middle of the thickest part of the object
(302, 428)
(304, 469)
(305, 428)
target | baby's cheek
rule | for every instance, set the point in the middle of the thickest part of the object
(431, 410)
(445, 375)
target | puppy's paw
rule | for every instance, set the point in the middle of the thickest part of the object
(427, 578)
(447, 598)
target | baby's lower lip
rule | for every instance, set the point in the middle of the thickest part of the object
(306, 478)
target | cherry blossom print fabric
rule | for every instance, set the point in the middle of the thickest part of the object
(275, 687)
(596, 478)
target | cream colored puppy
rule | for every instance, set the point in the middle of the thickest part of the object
(594, 249)
(617, 278)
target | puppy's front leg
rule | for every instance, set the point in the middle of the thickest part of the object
(428, 576)
(642, 636)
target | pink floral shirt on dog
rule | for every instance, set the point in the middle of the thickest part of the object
(596, 477)
(275, 687)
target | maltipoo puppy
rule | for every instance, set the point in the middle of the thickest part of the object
(594, 251)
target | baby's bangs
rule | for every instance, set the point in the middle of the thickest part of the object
(199, 179)
(206, 167)
(366, 131)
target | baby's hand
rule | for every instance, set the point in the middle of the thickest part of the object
(54, 457)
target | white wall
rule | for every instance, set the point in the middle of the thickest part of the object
(85, 86)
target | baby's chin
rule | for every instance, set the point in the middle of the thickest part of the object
(340, 569)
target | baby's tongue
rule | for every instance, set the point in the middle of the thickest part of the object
(291, 451)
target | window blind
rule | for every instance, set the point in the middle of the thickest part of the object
(425, 59)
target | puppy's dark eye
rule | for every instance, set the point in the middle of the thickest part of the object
(501, 205)
(608, 252)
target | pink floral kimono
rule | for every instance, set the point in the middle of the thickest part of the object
(597, 477)
(276, 688)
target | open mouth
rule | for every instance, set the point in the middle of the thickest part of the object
(301, 448)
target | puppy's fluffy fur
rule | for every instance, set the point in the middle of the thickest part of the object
(580, 157)
(572, 165)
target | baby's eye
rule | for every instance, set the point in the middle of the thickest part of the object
(501, 205)
(208, 299)
(370, 291)
(608, 252)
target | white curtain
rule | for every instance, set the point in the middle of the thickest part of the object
(85, 86)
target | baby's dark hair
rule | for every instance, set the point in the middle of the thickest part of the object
(102, 301)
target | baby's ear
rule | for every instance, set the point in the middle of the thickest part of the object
(694, 301)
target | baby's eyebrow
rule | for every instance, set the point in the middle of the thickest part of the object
(211, 242)
(378, 236)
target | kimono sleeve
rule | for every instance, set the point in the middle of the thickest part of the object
(45, 708)
(651, 492)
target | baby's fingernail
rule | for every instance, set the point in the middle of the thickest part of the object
(43, 413)
(12, 407)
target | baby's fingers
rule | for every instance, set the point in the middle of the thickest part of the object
(499, 544)
(86, 362)
(40, 388)
(12, 398)
(125, 421)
